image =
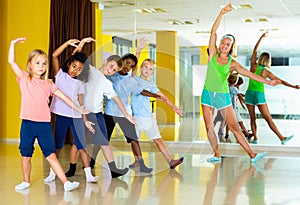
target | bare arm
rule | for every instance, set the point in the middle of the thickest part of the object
(121, 106)
(242, 100)
(213, 36)
(243, 71)
(171, 104)
(141, 46)
(283, 82)
(82, 43)
(58, 51)
(11, 56)
(254, 53)
(70, 102)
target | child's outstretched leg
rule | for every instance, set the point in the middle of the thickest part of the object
(87, 169)
(74, 155)
(115, 172)
(136, 149)
(173, 163)
(57, 168)
(96, 149)
(26, 169)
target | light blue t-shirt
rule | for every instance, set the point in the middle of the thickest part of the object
(140, 104)
(125, 86)
(234, 96)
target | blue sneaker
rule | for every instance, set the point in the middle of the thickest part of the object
(258, 156)
(287, 139)
(214, 159)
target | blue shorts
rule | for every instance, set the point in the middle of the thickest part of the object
(100, 137)
(41, 131)
(215, 99)
(255, 98)
(61, 126)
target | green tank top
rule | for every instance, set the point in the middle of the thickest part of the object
(255, 85)
(217, 75)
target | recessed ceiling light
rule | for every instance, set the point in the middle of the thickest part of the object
(203, 32)
(246, 6)
(247, 20)
(263, 20)
(150, 10)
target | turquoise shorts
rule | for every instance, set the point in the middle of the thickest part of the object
(255, 98)
(215, 99)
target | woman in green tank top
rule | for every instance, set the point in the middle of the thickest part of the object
(255, 95)
(215, 90)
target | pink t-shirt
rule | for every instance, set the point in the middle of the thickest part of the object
(35, 98)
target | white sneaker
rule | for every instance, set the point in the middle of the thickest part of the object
(69, 186)
(22, 186)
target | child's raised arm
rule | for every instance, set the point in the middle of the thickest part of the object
(82, 43)
(141, 46)
(11, 56)
(58, 51)
(176, 109)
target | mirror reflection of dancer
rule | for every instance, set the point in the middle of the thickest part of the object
(255, 95)
(215, 94)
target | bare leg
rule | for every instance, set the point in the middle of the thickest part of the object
(56, 167)
(229, 116)
(264, 110)
(86, 164)
(26, 168)
(74, 154)
(244, 128)
(209, 125)
(136, 149)
(251, 110)
(164, 150)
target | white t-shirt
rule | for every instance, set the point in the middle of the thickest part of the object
(97, 86)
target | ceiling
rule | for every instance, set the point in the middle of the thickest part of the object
(193, 20)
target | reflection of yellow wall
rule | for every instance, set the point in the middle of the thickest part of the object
(167, 53)
(23, 19)
(203, 61)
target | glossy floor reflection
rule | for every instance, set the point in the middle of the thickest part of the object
(272, 180)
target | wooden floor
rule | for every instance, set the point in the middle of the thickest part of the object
(273, 180)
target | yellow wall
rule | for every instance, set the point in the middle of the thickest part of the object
(3, 66)
(167, 72)
(28, 19)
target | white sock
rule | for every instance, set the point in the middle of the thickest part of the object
(51, 177)
(90, 188)
(69, 186)
(89, 176)
(52, 187)
(22, 186)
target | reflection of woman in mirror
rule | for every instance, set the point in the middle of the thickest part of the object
(215, 94)
(255, 95)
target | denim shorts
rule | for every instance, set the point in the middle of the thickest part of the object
(255, 98)
(215, 99)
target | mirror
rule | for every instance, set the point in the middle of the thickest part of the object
(133, 19)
